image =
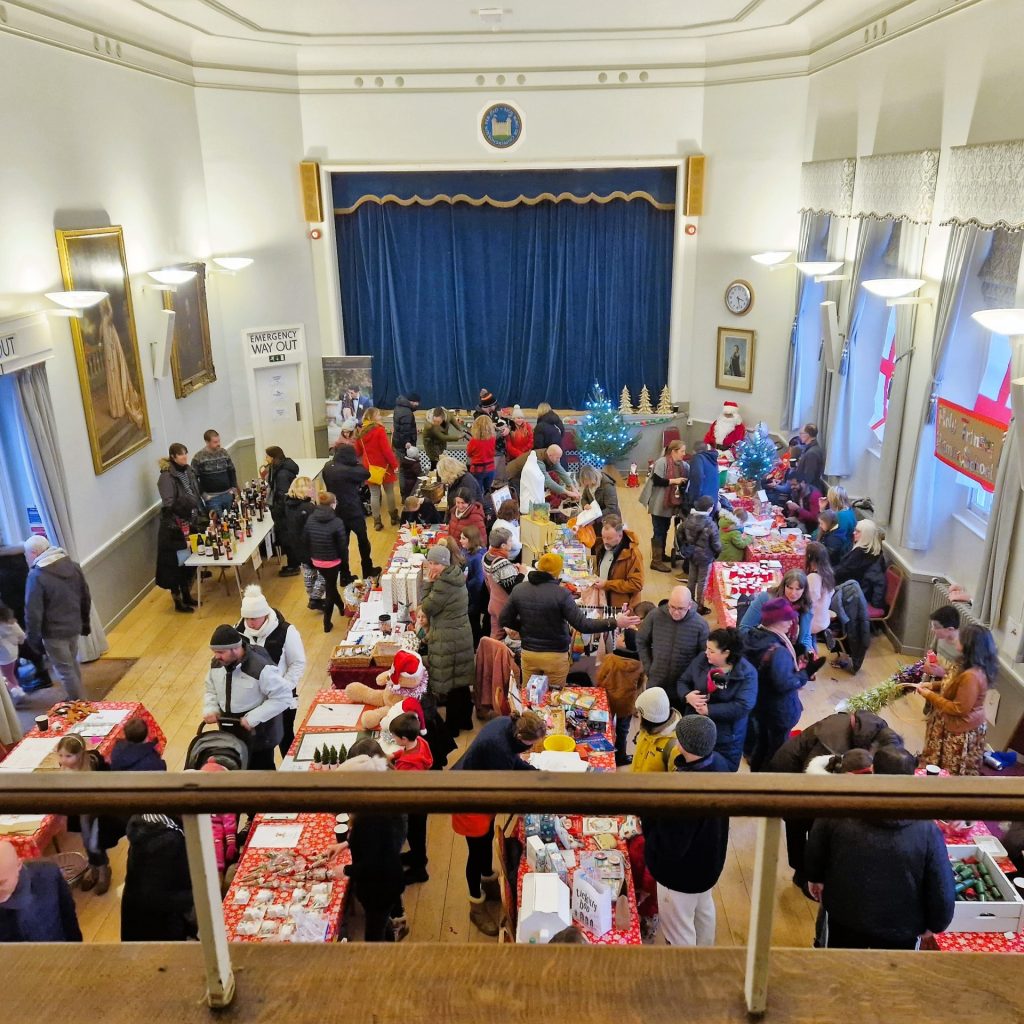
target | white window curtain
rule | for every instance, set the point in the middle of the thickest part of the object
(961, 256)
(858, 367)
(39, 426)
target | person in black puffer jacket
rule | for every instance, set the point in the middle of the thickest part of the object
(403, 431)
(781, 674)
(344, 476)
(549, 428)
(298, 507)
(865, 563)
(328, 551)
(181, 503)
(156, 905)
(279, 472)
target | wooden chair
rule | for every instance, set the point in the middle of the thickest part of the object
(668, 435)
(893, 586)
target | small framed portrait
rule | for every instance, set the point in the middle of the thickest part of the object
(735, 366)
(192, 356)
(106, 348)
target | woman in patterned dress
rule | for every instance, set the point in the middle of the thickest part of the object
(955, 734)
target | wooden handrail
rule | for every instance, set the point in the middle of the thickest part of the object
(751, 795)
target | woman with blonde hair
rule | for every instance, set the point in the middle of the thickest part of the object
(597, 485)
(549, 429)
(480, 450)
(300, 502)
(839, 502)
(865, 563)
(374, 448)
(666, 500)
(454, 475)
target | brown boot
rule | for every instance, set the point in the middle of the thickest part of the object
(102, 879)
(88, 879)
(481, 917)
(396, 519)
(491, 888)
(658, 563)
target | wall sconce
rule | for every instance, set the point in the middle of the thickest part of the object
(169, 278)
(71, 304)
(774, 259)
(819, 269)
(232, 264)
(1001, 321)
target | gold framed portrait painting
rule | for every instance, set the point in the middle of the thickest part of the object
(734, 369)
(106, 346)
(191, 355)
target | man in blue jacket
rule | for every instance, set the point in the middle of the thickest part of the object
(883, 884)
(36, 904)
(686, 856)
(703, 479)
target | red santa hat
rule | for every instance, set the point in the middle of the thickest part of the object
(407, 664)
(730, 408)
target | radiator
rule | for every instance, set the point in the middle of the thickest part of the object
(940, 596)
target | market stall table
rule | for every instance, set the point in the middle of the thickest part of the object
(330, 712)
(283, 857)
(790, 551)
(37, 752)
(728, 581)
(247, 550)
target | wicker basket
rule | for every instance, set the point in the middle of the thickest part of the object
(384, 652)
(72, 865)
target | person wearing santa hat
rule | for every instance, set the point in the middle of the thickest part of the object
(728, 429)
(266, 627)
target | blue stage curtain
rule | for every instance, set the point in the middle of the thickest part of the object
(534, 303)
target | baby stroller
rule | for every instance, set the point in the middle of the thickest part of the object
(229, 743)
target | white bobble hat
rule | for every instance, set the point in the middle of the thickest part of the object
(254, 603)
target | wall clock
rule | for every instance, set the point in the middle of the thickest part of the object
(739, 297)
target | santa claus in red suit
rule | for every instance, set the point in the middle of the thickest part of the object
(728, 429)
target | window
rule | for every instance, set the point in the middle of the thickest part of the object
(994, 391)
(883, 386)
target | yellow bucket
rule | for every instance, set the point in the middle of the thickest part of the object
(565, 743)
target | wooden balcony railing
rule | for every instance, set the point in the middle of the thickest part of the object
(443, 984)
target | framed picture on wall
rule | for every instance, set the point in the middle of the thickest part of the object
(106, 347)
(191, 355)
(735, 367)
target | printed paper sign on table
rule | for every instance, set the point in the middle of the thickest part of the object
(591, 904)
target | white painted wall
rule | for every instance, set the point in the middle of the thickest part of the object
(85, 142)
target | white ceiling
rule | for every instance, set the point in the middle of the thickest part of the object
(185, 27)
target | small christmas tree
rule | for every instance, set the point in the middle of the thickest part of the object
(317, 759)
(602, 436)
(665, 402)
(756, 456)
(625, 403)
(644, 408)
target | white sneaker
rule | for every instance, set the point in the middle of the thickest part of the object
(17, 694)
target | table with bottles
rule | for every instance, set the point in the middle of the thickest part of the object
(234, 537)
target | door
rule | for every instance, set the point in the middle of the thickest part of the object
(279, 410)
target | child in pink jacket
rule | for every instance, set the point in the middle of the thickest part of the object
(225, 832)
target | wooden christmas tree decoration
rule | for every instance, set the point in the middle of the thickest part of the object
(665, 402)
(625, 403)
(644, 408)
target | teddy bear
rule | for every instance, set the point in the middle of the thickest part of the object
(405, 680)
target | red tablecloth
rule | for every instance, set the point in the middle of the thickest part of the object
(317, 835)
(604, 762)
(740, 576)
(976, 942)
(341, 677)
(34, 845)
(323, 697)
(796, 559)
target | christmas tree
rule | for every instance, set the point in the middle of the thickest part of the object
(602, 436)
(625, 403)
(644, 408)
(665, 402)
(756, 456)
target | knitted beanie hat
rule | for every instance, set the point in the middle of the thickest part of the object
(778, 610)
(697, 734)
(254, 603)
(550, 563)
(653, 706)
(226, 637)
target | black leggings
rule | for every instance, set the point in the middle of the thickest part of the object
(480, 861)
(332, 599)
(288, 722)
(416, 833)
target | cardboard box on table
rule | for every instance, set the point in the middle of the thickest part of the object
(1006, 915)
(544, 910)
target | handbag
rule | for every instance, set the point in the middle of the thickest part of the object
(586, 536)
(647, 491)
(377, 474)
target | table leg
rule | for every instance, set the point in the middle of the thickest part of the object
(238, 582)
(199, 589)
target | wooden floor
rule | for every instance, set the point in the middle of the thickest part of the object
(173, 656)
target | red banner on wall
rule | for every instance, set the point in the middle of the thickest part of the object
(968, 442)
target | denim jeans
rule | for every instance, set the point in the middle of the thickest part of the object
(221, 502)
(63, 655)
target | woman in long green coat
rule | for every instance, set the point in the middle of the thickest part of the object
(450, 660)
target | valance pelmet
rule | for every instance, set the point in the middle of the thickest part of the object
(897, 186)
(826, 186)
(985, 186)
(504, 189)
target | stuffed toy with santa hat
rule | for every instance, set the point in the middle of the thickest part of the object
(403, 684)
(728, 429)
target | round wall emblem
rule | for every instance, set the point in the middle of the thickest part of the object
(501, 125)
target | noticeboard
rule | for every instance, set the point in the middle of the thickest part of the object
(969, 443)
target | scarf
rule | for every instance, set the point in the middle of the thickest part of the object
(784, 637)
